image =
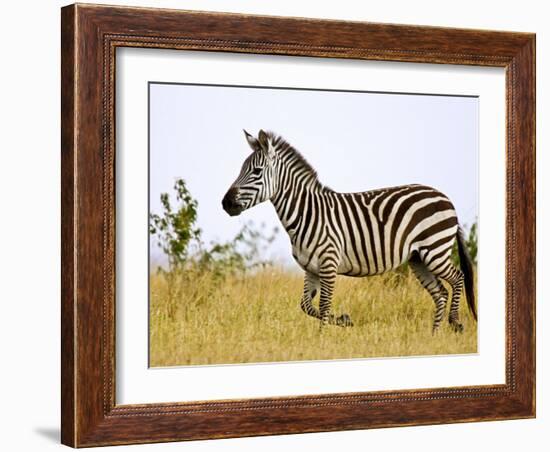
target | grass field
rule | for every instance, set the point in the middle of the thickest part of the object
(257, 318)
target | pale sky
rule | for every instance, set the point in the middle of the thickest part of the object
(355, 141)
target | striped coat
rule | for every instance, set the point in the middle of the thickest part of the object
(354, 234)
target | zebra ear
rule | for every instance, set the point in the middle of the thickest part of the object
(265, 144)
(252, 142)
(262, 138)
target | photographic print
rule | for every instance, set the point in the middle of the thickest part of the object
(294, 224)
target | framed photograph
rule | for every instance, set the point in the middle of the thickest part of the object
(281, 225)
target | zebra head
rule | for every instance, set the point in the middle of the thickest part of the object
(256, 182)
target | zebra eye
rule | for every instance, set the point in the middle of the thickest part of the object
(256, 171)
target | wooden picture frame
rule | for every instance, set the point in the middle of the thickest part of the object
(90, 35)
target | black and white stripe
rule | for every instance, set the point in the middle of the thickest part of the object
(354, 234)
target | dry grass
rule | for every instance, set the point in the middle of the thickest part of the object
(257, 319)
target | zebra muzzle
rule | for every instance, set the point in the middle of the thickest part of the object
(230, 203)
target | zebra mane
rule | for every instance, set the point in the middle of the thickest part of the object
(291, 154)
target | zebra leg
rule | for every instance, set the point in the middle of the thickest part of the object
(311, 287)
(327, 278)
(433, 285)
(455, 278)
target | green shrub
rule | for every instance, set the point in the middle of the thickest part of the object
(181, 240)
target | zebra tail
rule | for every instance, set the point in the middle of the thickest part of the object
(467, 268)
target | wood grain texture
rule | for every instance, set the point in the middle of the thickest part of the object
(67, 226)
(90, 36)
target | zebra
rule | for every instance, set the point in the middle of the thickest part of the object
(355, 234)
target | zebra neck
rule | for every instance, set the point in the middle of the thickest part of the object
(289, 200)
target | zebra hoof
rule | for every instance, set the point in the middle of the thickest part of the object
(344, 320)
(457, 327)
